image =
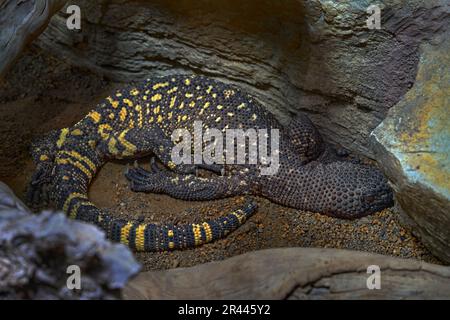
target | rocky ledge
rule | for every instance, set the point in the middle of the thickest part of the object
(413, 146)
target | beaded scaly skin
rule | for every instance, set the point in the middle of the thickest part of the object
(139, 120)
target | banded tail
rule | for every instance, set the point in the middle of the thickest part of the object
(153, 237)
(71, 174)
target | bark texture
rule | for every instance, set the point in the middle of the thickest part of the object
(295, 273)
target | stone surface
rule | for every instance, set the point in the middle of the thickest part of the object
(413, 146)
(20, 23)
(296, 273)
(315, 56)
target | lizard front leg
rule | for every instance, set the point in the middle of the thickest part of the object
(134, 142)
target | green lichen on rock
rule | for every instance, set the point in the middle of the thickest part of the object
(413, 146)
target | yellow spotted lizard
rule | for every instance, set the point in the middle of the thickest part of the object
(138, 121)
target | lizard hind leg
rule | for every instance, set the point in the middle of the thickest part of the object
(43, 151)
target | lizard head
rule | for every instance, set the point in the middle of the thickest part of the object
(43, 150)
(337, 189)
(349, 190)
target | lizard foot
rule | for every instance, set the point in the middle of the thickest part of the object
(38, 192)
(142, 180)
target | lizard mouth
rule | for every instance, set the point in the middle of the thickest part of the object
(379, 199)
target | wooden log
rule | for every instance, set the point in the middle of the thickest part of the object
(295, 273)
(21, 22)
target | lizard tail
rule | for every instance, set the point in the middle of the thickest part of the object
(154, 237)
(73, 174)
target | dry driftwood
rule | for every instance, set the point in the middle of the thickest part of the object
(295, 273)
(313, 56)
(20, 22)
(36, 251)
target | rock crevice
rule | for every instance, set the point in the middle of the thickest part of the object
(313, 56)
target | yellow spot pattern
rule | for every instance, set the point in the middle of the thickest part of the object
(77, 165)
(208, 231)
(95, 116)
(140, 235)
(174, 89)
(62, 137)
(156, 97)
(74, 210)
(112, 146)
(130, 148)
(160, 85)
(124, 233)
(103, 130)
(76, 132)
(128, 102)
(196, 230)
(73, 195)
(140, 116)
(79, 157)
(172, 102)
(123, 114)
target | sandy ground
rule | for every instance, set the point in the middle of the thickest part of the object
(42, 93)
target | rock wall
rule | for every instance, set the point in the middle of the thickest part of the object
(413, 146)
(20, 23)
(314, 56)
